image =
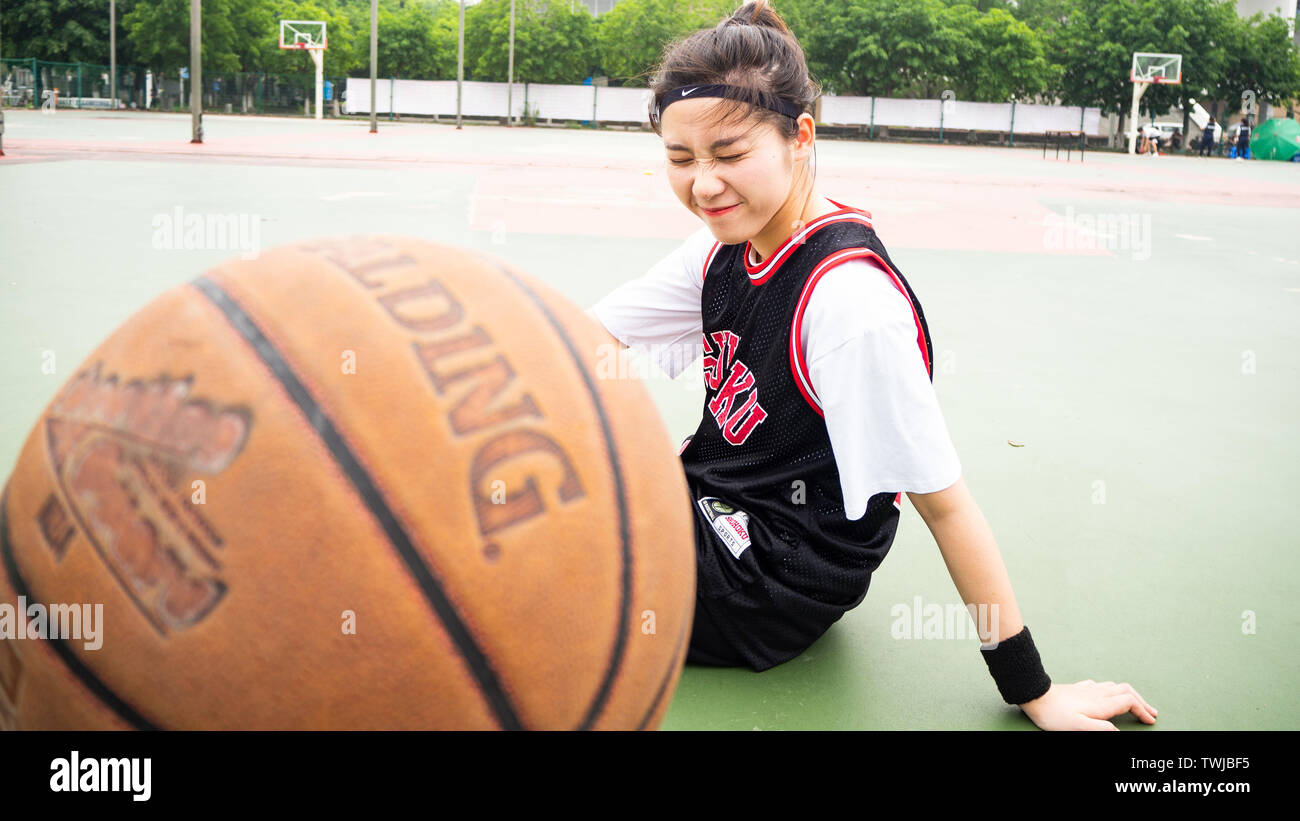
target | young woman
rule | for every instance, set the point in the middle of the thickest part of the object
(819, 409)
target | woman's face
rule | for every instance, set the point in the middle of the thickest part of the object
(742, 167)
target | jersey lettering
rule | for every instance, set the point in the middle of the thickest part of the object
(735, 423)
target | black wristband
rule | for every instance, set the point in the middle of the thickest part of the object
(1016, 668)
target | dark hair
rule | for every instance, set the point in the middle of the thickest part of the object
(752, 50)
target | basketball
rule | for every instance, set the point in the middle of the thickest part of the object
(362, 483)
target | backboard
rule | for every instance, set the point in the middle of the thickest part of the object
(1159, 69)
(303, 34)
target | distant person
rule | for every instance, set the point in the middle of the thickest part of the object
(1243, 140)
(1150, 141)
(1176, 140)
(1207, 138)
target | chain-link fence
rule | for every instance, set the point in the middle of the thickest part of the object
(262, 93)
(31, 83)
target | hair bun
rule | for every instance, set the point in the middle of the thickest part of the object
(758, 13)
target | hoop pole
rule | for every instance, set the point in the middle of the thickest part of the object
(510, 71)
(196, 71)
(112, 53)
(1138, 90)
(460, 60)
(374, 62)
(318, 57)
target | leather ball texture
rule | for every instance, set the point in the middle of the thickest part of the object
(370, 482)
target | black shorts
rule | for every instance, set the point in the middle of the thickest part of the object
(742, 617)
(709, 645)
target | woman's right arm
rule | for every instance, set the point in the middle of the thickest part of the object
(610, 339)
(659, 312)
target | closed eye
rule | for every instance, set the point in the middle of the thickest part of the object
(724, 159)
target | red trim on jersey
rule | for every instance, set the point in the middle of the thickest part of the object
(798, 364)
(708, 260)
(898, 500)
(762, 272)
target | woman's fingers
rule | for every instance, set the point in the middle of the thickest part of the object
(1128, 703)
(1129, 688)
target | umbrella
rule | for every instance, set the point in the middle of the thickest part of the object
(1277, 139)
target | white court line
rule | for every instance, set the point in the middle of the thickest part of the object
(347, 195)
(1194, 237)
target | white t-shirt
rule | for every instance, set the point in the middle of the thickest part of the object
(859, 338)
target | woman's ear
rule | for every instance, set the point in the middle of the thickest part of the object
(804, 138)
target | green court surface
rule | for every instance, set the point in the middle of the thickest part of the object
(1147, 355)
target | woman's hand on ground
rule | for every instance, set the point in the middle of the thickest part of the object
(1086, 705)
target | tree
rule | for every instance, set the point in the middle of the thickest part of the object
(65, 30)
(1095, 48)
(1265, 60)
(552, 43)
(884, 47)
(416, 39)
(158, 30)
(1001, 57)
(631, 38)
(1043, 16)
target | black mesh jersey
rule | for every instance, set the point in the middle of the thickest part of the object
(778, 562)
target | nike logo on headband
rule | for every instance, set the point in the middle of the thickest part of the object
(685, 92)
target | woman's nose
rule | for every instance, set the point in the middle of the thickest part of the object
(706, 182)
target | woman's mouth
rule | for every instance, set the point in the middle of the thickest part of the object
(719, 211)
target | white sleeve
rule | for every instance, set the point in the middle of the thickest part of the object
(660, 311)
(882, 415)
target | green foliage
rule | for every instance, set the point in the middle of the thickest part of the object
(632, 37)
(159, 32)
(1001, 58)
(918, 48)
(417, 40)
(62, 30)
(1222, 53)
(553, 44)
(1267, 63)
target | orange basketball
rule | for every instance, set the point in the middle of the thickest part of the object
(367, 483)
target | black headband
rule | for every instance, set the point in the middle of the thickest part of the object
(727, 92)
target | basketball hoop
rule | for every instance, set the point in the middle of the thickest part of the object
(308, 36)
(1150, 69)
(303, 34)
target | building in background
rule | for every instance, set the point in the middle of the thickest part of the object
(598, 7)
(1286, 8)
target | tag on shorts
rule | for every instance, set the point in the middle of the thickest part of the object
(731, 525)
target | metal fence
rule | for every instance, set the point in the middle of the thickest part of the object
(31, 83)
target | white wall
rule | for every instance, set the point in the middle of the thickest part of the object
(630, 105)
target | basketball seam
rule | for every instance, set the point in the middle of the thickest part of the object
(490, 684)
(65, 653)
(663, 685)
(616, 662)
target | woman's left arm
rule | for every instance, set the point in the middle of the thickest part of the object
(975, 564)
